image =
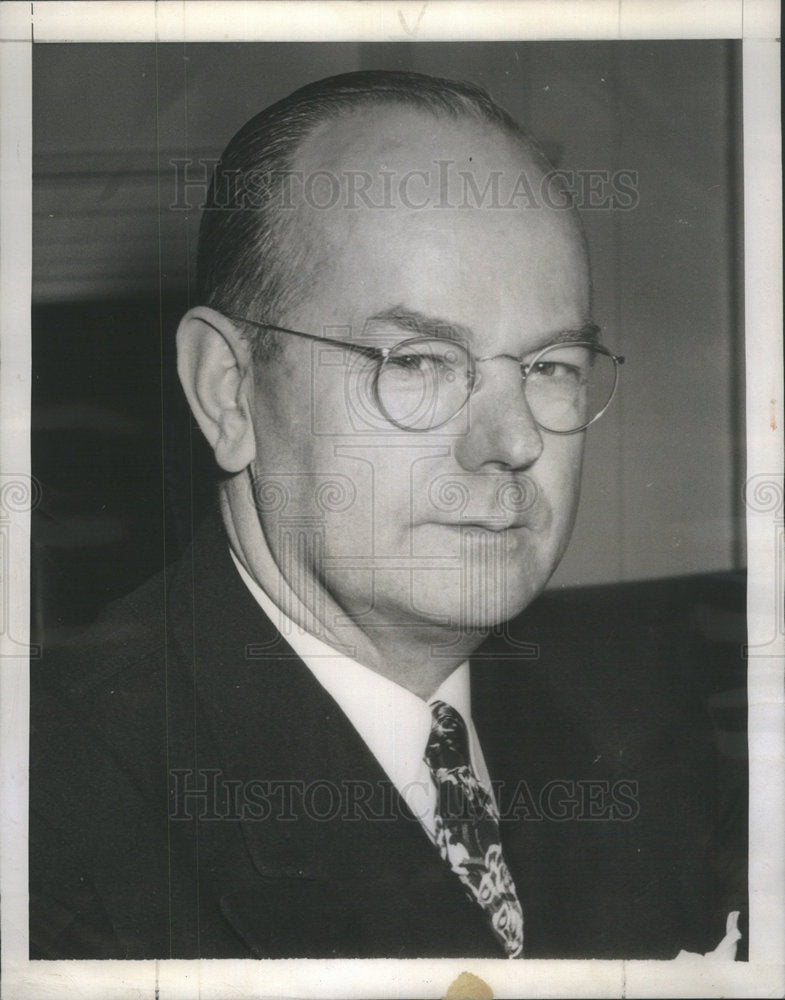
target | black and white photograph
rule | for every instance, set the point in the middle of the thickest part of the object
(403, 508)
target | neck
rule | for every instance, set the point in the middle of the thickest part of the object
(418, 657)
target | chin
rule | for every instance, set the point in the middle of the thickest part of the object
(478, 599)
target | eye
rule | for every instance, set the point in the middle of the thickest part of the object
(423, 382)
(432, 359)
(553, 369)
(409, 362)
(560, 364)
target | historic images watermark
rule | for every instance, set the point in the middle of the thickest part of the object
(19, 494)
(207, 794)
(764, 494)
(446, 185)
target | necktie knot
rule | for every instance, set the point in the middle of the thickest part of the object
(448, 744)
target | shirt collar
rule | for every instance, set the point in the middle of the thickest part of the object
(394, 722)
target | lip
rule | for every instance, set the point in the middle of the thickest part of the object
(495, 525)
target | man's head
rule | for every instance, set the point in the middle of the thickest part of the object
(249, 258)
(406, 206)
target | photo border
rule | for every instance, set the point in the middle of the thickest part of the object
(756, 22)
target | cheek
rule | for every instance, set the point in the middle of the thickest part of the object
(561, 481)
(283, 414)
(337, 389)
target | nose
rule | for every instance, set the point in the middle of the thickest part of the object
(501, 431)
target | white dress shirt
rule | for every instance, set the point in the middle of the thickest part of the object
(393, 722)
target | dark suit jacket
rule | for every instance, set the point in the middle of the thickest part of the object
(195, 792)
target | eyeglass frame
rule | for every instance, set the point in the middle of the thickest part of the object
(382, 353)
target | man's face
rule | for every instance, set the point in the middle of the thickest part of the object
(462, 525)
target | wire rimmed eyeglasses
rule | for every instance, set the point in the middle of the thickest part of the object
(421, 383)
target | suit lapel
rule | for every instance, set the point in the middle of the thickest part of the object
(332, 853)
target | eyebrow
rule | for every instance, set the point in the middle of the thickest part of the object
(420, 324)
(588, 332)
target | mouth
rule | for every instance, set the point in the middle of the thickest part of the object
(494, 525)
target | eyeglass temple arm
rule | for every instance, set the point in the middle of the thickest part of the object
(366, 349)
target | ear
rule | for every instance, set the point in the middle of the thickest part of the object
(215, 369)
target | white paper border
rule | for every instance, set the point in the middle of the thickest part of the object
(376, 20)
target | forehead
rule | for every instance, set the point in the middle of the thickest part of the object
(442, 214)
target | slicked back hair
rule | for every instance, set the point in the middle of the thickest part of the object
(247, 264)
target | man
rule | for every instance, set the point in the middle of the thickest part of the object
(277, 749)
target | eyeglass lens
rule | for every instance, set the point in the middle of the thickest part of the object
(423, 383)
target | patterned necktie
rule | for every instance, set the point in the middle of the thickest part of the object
(467, 828)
